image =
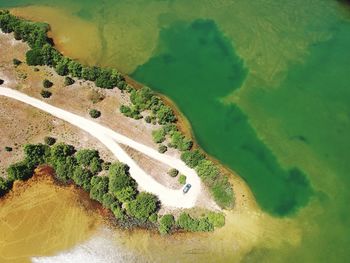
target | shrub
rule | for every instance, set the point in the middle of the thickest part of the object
(94, 113)
(182, 179)
(8, 149)
(64, 168)
(49, 140)
(36, 154)
(192, 158)
(162, 148)
(46, 94)
(143, 206)
(173, 172)
(158, 136)
(68, 81)
(117, 211)
(126, 194)
(165, 115)
(216, 219)
(179, 141)
(1, 81)
(96, 96)
(5, 186)
(16, 62)
(148, 119)
(166, 223)
(47, 83)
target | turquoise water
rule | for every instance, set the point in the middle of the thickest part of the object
(196, 66)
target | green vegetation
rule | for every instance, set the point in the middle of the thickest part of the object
(5, 186)
(182, 179)
(186, 222)
(46, 94)
(166, 223)
(47, 83)
(16, 62)
(162, 148)
(8, 149)
(94, 113)
(192, 158)
(42, 52)
(216, 219)
(173, 172)
(143, 206)
(68, 81)
(158, 135)
(49, 140)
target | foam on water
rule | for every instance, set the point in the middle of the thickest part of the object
(101, 248)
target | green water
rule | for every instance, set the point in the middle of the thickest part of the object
(265, 85)
(196, 66)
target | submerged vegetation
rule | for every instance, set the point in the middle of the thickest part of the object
(144, 102)
(116, 190)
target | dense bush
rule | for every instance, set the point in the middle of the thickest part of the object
(19, 171)
(166, 222)
(99, 187)
(94, 113)
(5, 186)
(47, 83)
(85, 156)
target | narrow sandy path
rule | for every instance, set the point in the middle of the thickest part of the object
(110, 138)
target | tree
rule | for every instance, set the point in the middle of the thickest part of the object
(107, 200)
(49, 140)
(142, 98)
(162, 148)
(192, 158)
(158, 136)
(36, 153)
(68, 81)
(46, 94)
(173, 172)
(34, 58)
(166, 222)
(117, 211)
(165, 115)
(94, 113)
(19, 171)
(60, 151)
(82, 177)
(64, 169)
(85, 156)
(126, 194)
(96, 165)
(143, 206)
(47, 83)
(119, 177)
(153, 218)
(182, 179)
(99, 187)
(5, 186)
(62, 67)
(74, 68)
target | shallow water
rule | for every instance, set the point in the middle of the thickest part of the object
(277, 75)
